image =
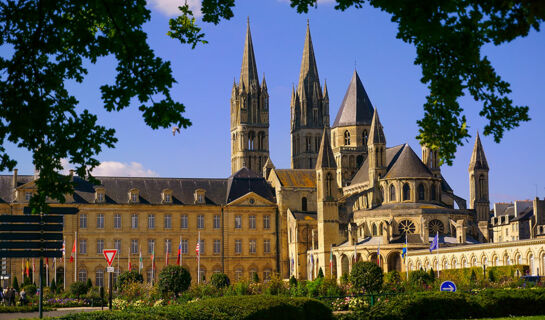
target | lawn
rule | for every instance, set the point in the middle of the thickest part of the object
(516, 318)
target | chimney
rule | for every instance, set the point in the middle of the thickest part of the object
(14, 181)
(539, 211)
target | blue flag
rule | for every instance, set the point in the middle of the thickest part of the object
(404, 252)
(435, 243)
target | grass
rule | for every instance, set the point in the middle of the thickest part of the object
(516, 318)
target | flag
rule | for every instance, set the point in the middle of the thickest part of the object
(331, 259)
(153, 258)
(178, 261)
(27, 270)
(129, 263)
(404, 252)
(140, 263)
(63, 249)
(291, 264)
(73, 251)
(435, 243)
(198, 248)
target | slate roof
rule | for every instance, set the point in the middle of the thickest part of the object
(356, 108)
(478, 158)
(407, 164)
(362, 175)
(325, 155)
(376, 132)
(244, 181)
(302, 178)
(248, 70)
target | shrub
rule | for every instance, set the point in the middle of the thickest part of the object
(392, 278)
(419, 278)
(491, 276)
(432, 275)
(293, 282)
(89, 284)
(15, 284)
(255, 277)
(320, 273)
(30, 290)
(366, 276)
(241, 288)
(174, 279)
(78, 289)
(53, 286)
(220, 280)
(275, 286)
(128, 276)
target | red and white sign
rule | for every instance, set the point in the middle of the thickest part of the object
(109, 254)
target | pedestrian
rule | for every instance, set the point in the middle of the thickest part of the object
(12, 297)
(23, 297)
(7, 296)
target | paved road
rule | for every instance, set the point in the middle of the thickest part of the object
(59, 312)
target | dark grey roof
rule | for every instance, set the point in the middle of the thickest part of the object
(325, 155)
(525, 214)
(407, 164)
(245, 181)
(478, 158)
(6, 190)
(248, 70)
(376, 133)
(356, 108)
(363, 173)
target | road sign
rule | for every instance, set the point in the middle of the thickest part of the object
(448, 286)
(109, 254)
(110, 269)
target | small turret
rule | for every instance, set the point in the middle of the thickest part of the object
(478, 188)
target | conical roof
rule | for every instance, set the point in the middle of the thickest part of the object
(325, 155)
(407, 165)
(478, 158)
(248, 71)
(356, 108)
(376, 133)
(309, 71)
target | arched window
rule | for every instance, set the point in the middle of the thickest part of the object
(251, 140)
(380, 227)
(406, 192)
(421, 191)
(374, 229)
(432, 192)
(304, 204)
(328, 184)
(392, 193)
(482, 187)
(364, 136)
(381, 193)
(346, 138)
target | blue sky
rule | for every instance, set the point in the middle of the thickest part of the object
(364, 38)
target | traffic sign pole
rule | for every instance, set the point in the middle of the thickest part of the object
(109, 254)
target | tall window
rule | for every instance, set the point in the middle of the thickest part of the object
(100, 197)
(308, 144)
(346, 138)
(83, 246)
(100, 246)
(200, 221)
(267, 246)
(184, 246)
(100, 221)
(252, 222)
(28, 195)
(304, 204)
(217, 221)
(134, 221)
(317, 143)
(151, 246)
(99, 278)
(217, 246)
(168, 246)
(406, 192)
(329, 179)
(482, 187)
(134, 246)
(82, 275)
(364, 136)
(432, 192)
(83, 220)
(421, 192)
(168, 221)
(183, 224)
(201, 247)
(266, 222)
(238, 246)
(252, 246)
(151, 221)
(238, 222)
(392, 193)
(134, 197)
(117, 221)
(117, 245)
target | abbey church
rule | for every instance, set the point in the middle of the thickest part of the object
(351, 194)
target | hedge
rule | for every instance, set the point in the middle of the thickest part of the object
(239, 308)
(14, 309)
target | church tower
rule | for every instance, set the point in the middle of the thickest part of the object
(249, 115)
(327, 196)
(430, 158)
(309, 111)
(478, 188)
(376, 149)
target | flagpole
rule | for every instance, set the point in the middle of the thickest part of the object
(406, 257)
(55, 268)
(76, 258)
(437, 254)
(199, 259)
(331, 261)
(64, 264)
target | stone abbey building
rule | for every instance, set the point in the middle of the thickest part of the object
(348, 196)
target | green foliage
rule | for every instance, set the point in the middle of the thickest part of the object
(53, 286)
(255, 277)
(473, 276)
(15, 284)
(241, 288)
(392, 278)
(293, 282)
(220, 280)
(433, 275)
(345, 279)
(366, 276)
(78, 289)
(89, 284)
(175, 279)
(491, 276)
(26, 281)
(320, 273)
(275, 286)
(16, 309)
(419, 278)
(128, 276)
(30, 290)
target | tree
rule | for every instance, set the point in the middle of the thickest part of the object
(255, 277)
(53, 286)
(320, 273)
(78, 288)
(432, 275)
(293, 282)
(473, 276)
(127, 277)
(220, 280)
(366, 276)
(392, 278)
(491, 276)
(15, 284)
(420, 277)
(89, 284)
(175, 279)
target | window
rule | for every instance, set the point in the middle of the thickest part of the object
(201, 248)
(217, 246)
(238, 246)
(117, 221)
(82, 275)
(364, 136)
(151, 221)
(406, 192)
(392, 193)
(134, 221)
(238, 273)
(346, 138)
(168, 246)
(267, 275)
(117, 245)
(168, 199)
(100, 197)
(134, 197)
(266, 222)
(421, 192)
(304, 204)
(252, 222)
(134, 246)
(506, 232)
(184, 246)
(83, 221)
(28, 195)
(100, 221)
(217, 221)
(100, 246)
(83, 246)
(252, 246)
(99, 278)
(183, 223)
(238, 222)
(267, 246)
(151, 246)
(432, 192)
(308, 144)
(168, 221)
(200, 221)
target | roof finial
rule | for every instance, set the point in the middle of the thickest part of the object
(248, 20)
(307, 21)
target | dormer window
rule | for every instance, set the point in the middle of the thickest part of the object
(100, 195)
(28, 195)
(200, 196)
(166, 196)
(133, 196)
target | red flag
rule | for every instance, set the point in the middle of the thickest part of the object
(166, 259)
(73, 251)
(197, 248)
(27, 270)
(179, 253)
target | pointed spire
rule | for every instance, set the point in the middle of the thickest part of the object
(309, 70)
(325, 155)
(326, 94)
(263, 82)
(376, 133)
(356, 108)
(478, 158)
(248, 71)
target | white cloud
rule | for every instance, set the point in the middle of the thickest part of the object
(116, 169)
(170, 7)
